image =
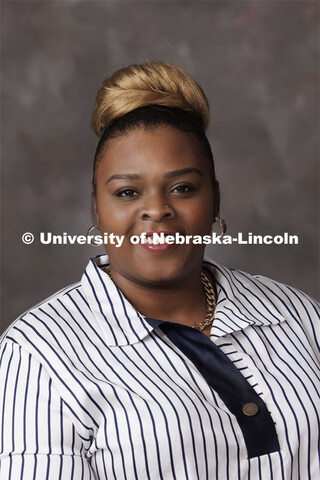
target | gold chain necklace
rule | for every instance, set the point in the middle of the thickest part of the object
(210, 301)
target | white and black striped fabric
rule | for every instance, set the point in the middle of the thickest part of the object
(91, 389)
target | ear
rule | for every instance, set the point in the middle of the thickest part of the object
(216, 198)
(94, 207)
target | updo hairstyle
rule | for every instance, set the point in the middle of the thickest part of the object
(150, 95)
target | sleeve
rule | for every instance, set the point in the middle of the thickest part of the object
(37, 440)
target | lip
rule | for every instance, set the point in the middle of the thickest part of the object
(166, 232)
(158, 248)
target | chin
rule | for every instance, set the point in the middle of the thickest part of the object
(163, 274)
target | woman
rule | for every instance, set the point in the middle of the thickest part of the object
(160, 364)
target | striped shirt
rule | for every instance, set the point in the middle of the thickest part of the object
(91, 389)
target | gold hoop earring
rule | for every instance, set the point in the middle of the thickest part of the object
(223, 226)
(92, 240)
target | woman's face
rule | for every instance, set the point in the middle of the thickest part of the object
(148, 181)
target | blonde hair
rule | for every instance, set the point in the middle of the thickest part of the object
(152, 83)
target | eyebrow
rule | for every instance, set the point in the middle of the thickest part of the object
(174, 173)
(125, 176)
(183, 171)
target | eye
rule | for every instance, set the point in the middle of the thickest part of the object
(126, 193)
(183, 188)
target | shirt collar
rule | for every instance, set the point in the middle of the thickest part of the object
(120, 323)
(241, 302)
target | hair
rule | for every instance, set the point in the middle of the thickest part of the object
(150, 95)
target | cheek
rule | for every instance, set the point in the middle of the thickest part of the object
(204, 208)
(115, 220)
(199, 218)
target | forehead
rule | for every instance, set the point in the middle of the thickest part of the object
(154, 150)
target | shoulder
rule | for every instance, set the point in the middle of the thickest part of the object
(43, 326)
(300, 313)
(260, 292)
(293, 301)
(264, 285)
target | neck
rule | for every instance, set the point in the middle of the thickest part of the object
(182, 302)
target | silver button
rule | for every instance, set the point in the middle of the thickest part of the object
(250, 409)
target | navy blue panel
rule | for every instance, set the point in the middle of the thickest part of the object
(221, 374)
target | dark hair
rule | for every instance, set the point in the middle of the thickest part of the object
(150, 117)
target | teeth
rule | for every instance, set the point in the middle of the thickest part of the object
(154, 240)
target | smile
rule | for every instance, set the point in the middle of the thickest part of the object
(157, 241)
(157, 238)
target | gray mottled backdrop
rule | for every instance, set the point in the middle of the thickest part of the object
(257, 62)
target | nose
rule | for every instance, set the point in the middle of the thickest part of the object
(156, 208)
